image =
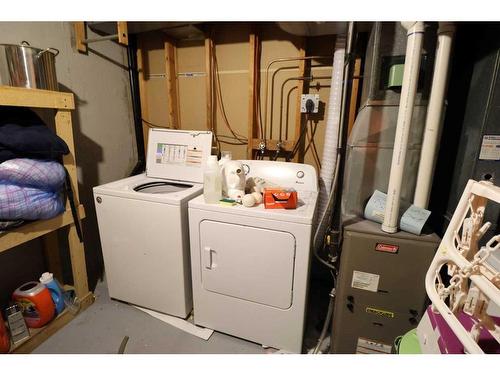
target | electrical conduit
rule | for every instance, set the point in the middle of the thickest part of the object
(434, 117)
(331, 145)
(408, 91)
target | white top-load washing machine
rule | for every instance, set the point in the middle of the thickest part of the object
(250, 266)
(143, 223)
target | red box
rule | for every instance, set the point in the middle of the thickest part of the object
(280, 198)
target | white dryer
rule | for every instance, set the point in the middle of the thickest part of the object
(143, 223)
(250, 266)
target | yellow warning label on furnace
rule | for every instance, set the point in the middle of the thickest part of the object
(386, 314)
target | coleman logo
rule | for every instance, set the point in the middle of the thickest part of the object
(385, 314)
(385, 248)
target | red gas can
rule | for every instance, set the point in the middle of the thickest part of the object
(36, 302)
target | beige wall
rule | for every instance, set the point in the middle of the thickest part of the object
(103, 127)
(232, 51)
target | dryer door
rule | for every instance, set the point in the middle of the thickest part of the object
(249, 263)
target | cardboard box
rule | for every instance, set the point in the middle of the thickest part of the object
(280, 198)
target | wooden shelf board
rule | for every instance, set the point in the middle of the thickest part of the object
(21, 97)
(39, 335)
(35, 229)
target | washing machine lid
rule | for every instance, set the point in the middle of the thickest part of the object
(178, 154)
(150, 189)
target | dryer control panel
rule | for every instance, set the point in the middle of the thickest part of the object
(301, 177)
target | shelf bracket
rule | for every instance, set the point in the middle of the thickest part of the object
(82, 42)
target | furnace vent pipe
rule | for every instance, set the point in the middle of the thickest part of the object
(332, 131)
(433, 121)
(408, 91)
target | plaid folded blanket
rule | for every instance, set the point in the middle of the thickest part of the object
(41, 174)
(27, 203)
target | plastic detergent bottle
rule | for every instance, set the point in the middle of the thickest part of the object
(55, 289)
(212, 181)
(36, 304)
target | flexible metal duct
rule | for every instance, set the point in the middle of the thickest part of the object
(330, 148)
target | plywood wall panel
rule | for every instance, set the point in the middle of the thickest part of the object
(232, 51)
(157, 109)
(192, 102)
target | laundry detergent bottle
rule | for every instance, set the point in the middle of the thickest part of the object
(36, 303)
(55, 289)
(212, 181)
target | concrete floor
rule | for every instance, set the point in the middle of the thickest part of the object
(100, 330)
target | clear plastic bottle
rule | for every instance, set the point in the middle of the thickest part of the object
(212, 181)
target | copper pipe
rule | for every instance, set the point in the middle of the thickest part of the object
(281, 99)
(271, 109)
(284, 59)
(308, 78)
(287, 111)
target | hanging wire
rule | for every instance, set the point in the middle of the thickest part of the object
(299, 140)
(257, 92)
(311, 144)
(152, 125)
(218, 90)
(314, 145)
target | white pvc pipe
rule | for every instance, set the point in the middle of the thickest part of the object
(433, 121)
(331, 145)
(408, 91)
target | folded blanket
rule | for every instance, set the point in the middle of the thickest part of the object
(41, 174)
(27, 203)
(24, 134)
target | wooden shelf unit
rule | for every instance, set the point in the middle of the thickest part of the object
(35, 229)
(62, 103)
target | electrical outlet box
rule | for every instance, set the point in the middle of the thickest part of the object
(303, 100)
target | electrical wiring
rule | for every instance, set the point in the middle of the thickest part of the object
(257, 94)
(152, 125)
(230, 143)
(299, 140)
(313, 133)
(220, 102)
(310, 138)
(232, 138)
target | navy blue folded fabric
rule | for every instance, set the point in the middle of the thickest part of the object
(23, 134)
(6, 154)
